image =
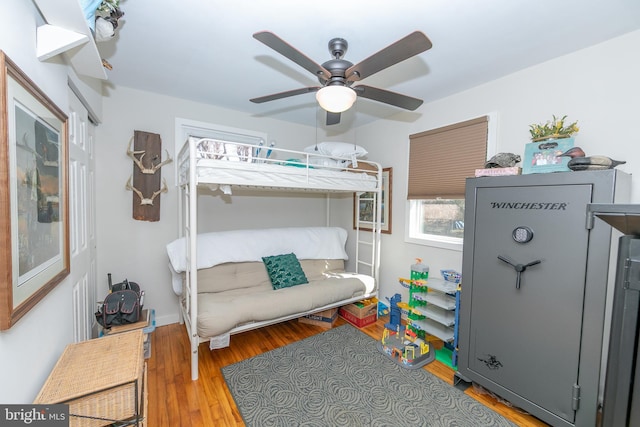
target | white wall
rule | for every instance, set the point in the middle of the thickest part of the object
(133, 249)
(598, 86)
(31, 347)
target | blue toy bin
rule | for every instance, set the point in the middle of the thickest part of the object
(451, 276)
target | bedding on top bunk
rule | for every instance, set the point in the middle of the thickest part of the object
(232, 246)
(331, 165)
(292, 173)
(326, 153)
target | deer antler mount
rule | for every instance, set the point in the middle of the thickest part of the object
(138, 160)
(146, 183)
(144, 200)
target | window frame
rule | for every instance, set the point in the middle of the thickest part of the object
(412, 236)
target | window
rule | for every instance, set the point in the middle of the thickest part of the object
(440, 160)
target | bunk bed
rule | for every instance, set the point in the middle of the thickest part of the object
(227, 166)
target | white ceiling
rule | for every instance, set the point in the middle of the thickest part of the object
(203, 50)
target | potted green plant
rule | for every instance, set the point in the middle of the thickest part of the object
(107, 7)
(553, 129)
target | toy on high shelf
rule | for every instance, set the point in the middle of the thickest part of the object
(402, 344)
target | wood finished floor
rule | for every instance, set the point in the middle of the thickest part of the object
(176, 401)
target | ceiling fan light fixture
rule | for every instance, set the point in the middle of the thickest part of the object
(336, 99)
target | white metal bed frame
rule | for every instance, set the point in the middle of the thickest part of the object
(188, 182)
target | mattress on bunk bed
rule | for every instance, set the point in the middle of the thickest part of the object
(233, 284)
(251, 245)
(235, 294)
(292, 173)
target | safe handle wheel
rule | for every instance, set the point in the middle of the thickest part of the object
(519, 268)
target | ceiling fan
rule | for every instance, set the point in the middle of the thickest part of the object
(339, 75)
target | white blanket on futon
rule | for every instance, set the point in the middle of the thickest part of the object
(251, 245)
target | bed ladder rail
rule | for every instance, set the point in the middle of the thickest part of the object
(367, 244)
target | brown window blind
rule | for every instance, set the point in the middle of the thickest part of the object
(441, 159)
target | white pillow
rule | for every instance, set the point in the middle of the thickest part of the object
(337, 149)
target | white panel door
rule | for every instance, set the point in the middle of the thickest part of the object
(82, 234)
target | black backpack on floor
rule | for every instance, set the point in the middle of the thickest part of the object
(122, 306)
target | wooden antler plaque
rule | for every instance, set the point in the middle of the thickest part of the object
(147, 184)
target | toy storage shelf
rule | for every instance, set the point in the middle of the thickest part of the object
(434, 328)
(442, 316)
(441, 300)
(437, 301)
(441, 310)
(441, 285)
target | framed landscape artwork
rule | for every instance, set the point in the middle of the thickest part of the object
(34, 214)
(365, 201)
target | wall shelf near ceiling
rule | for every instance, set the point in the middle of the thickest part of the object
(67, 33)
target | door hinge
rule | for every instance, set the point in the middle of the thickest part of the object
(625, 274)
(631, 275)
(590, 220)
(575, 397)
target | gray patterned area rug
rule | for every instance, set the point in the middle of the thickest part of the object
(339, 378)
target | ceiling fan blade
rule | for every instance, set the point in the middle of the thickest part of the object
(388, 97)
(332, 118)
(404, 48)
(286, 94)
(285, 49)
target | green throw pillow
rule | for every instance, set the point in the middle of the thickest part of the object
(284, 270)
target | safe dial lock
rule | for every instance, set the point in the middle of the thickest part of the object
(522, 234)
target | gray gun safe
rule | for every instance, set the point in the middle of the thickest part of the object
(534, 288)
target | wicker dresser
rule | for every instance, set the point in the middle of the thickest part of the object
(102, 380)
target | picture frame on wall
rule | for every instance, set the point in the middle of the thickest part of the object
(34, 199)
(365, 201)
